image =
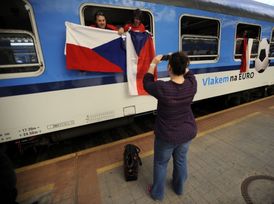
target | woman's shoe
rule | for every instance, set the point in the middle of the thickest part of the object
(149, 189)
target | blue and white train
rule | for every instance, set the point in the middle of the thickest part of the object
(38, 95)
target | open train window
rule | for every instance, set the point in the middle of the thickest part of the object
(200, 38)
(19, 49)
(116, 16)
(271, 43)
(248, 31)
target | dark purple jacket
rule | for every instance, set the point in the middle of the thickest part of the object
(175, 122)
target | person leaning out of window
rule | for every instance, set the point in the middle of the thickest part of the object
(136, 24)
(101, 22)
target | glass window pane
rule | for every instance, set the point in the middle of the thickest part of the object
(255, 47)
(271, 50)
(199, 26)
(200, 37)
(251, 31)
(17, 49)
(200, 46)
(239, 48)
(17, 53)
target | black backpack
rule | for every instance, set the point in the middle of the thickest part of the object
(131, 162)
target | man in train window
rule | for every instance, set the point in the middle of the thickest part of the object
(101, 22)
(136, 23)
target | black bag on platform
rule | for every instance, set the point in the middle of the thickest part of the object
(131, 162)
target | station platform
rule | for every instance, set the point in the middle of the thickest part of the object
(231, 146)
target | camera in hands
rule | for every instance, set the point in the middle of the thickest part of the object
(165, 58)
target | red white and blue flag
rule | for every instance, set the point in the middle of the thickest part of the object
(140, 52)
(93, 49)
(247, 47)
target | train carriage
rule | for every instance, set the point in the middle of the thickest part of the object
(39, 95)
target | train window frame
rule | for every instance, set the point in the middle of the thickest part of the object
(237, 57)
(206, 37)
(108, 7)
(19, 72)
(271, 43)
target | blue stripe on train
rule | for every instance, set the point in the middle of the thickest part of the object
(70, 84)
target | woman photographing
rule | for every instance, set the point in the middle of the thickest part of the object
(175, 124)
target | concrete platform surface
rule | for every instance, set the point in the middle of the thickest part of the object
(218, 164)
(231, 145)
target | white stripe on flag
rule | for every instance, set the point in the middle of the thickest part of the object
(81, 35)
(248, 49)
(132, 60)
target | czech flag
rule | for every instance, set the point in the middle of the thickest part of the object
(140, 52)
(93, 49)
(247, 46)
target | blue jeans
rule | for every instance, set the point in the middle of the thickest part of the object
(162, 154)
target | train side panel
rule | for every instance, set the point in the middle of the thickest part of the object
(59, 99)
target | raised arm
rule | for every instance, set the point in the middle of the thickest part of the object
(149, 84)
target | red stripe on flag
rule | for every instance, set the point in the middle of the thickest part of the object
(146, 55)
(244, 56)
(82, 58)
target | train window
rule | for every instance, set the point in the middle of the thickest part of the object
(18, 44)
(271, 47)
(248, 31)
(239, 48)
(18, 54)
(200, 38)
(115, 15)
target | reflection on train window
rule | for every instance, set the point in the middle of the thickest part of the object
(115, 16)
(200, 38)
(247, 31)
(271, 47)
(17, 53)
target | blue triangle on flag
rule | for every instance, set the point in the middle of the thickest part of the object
(138, 39)
(114, 51)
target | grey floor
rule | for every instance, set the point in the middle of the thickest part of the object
(218, 163)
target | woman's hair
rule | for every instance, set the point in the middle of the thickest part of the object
(178, 62)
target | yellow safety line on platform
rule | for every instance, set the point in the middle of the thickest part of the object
(104, 146)
(109, 167)
(200, 134)
(233, 108)
(120, 163)
(44, 163)
(82, 152)
(34, 193)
